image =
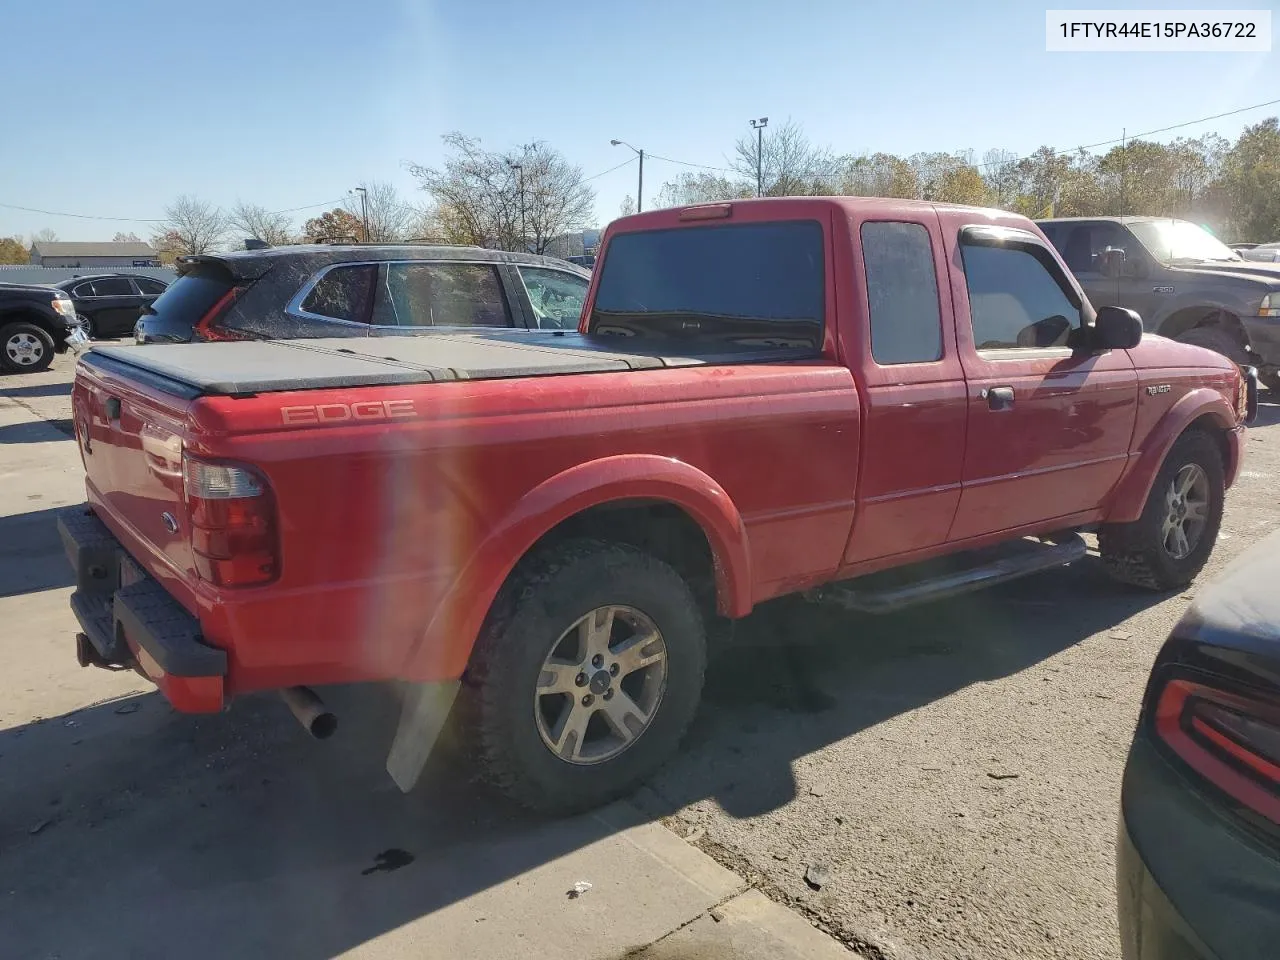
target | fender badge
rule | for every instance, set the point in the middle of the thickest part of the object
(1162, 289)
(1158, 388)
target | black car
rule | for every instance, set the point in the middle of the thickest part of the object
(1198, 863)
(36, 321)
(368, 290)
(111, 303)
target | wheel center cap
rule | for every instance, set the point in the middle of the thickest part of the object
(599, 682)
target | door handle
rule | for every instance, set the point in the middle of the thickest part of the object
(998, 398)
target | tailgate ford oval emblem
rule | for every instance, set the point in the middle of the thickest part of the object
(170, 524)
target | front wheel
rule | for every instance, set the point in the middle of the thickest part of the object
(1170, 543)
(25, 348)
(585, 676)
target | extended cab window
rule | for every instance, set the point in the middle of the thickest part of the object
(1015, 301)
(343, 293)
(556, 297)
(441, 295)
(902, 293)
(750, 283)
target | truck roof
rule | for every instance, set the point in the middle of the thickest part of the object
(784, 207)
(1125, 219)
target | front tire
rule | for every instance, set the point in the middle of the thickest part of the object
(585, 676)
(25, 348)
(1170, 543)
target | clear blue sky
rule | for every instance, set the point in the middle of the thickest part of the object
(114, 109)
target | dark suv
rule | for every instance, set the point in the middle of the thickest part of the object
(356, 291)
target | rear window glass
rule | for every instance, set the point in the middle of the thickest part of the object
(189, 297)
(751, 283)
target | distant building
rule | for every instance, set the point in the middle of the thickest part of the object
(105, 254)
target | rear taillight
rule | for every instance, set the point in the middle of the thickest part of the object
(233, 530)
(1231, 739)
(206, 327)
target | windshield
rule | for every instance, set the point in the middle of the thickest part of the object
(1169, 240)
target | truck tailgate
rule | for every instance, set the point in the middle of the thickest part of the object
(130, 427)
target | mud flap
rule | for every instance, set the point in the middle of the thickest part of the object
(422, 715)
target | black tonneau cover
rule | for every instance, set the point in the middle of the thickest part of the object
(264, 366)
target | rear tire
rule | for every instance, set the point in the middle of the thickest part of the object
(1146, 553)
(524, 697)
(1218, 340)
(25, 348)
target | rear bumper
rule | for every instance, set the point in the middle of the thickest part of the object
(129, 619)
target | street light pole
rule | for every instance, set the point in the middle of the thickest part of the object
(364, 210)
(640, 184)
(519, 169)
(758, 126)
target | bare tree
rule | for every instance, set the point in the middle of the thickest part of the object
(389, 215)
(512, 200)
(260, 223)
(790, 163)
(193, 225)
(702, 187)
(126, 238)
(47, 235)
(628, 206)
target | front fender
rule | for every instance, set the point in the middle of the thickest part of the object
(1135, 485)
(445, 647)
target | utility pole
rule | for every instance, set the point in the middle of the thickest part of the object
(519, 169)
(364, 210)
(758, 126)
(640, 185)
(1124, 167)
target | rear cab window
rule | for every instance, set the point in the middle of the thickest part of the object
(902, 293)
(747, 283)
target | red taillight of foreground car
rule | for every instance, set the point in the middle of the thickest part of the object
(233, 530)
(1230, 739)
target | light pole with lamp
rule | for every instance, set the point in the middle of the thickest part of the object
(640, 185)
(758, 126)
(519, 169)
(364, 210)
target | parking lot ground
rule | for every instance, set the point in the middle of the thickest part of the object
(129, 830)
(949, 777)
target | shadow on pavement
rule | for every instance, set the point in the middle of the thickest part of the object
(36, 389)
(128, 826)
(36, 431)
(1268, 411)
(31, 554)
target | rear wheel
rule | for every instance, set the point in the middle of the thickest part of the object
(585, 677)
(1170, 543)
(25, 348)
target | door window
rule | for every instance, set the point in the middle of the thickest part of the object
(1087, 240)
(441, 295)
(149, 287)
(902, 293)
(556, 297)
(1017, 298)
(83, 290)
(343, 293)
(113, 287)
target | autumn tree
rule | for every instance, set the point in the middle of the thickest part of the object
(193, 226)
(13, 251)
(517, 198)
(333, 226)
(259, 223)
(1250, 182)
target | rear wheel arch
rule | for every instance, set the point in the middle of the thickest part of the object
(667, 508)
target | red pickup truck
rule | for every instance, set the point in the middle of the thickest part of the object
(880, 402)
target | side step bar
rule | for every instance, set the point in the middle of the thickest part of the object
(904, 587)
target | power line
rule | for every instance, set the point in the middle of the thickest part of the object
(91, 216)
(686, 163)
(1147, 133)
(610, 170)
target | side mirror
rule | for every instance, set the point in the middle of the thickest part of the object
(1111, 262)
(1116, 328)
